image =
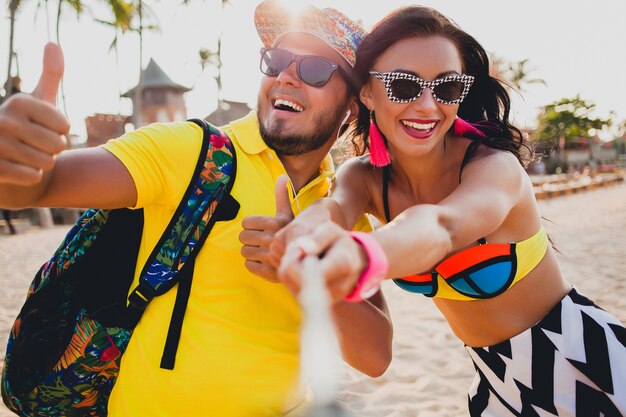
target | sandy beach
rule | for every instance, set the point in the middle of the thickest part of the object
(431, 370)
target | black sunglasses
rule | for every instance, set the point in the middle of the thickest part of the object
(404, 88)
(312, 69)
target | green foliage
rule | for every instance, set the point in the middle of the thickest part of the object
(515, 74)
(14, 6)
(76, 5)
(621, 130)
(570, 118)
(122, 14)
(519, 75)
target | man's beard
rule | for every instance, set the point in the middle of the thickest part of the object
(319, 132)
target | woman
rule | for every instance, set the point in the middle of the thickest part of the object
(445, 173)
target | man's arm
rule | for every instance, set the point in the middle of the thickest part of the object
(34, 171)
(89, 178)
(365, 334)
(364, 329)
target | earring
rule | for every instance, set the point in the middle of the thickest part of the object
(379, 155)
(464, 128)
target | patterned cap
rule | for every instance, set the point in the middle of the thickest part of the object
(273, 20)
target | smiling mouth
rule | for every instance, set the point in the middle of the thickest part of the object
(424, 127)
(286, 105)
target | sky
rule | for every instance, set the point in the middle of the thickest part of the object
(576, 47)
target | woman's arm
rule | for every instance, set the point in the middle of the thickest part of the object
(422, 235)
(349, 200)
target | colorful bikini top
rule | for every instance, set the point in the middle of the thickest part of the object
(480, 272)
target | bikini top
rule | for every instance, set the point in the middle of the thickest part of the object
(480, 272)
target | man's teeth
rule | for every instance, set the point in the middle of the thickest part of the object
(420, 126)
(290, 104)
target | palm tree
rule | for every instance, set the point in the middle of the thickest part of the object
(138, 122)
(141, 10)
(78, 6)
(45, 216)
(122, 15)
(214, 58)
(515, 74)
(14, 6)
(519, 75)
(497, 67)
(218, 78)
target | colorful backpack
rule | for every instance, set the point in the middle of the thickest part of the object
(66, 344)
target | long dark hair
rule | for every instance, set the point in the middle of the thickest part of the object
(487, 102)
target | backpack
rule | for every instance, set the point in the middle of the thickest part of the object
(65, 347)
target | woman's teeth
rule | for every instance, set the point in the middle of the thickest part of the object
(419, 126)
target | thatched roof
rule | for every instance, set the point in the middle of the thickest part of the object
(155, 77)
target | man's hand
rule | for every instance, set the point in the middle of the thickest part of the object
(259, 232)
(32, 129)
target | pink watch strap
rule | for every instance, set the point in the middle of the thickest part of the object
(377, 266)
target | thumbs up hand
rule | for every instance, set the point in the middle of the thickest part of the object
(259, 231)
(32, 129)
(51, 74)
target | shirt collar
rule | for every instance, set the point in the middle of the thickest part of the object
(246, 130)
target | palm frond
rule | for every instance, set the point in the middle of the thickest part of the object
(77, 5)
(114, 43)
(14, 6)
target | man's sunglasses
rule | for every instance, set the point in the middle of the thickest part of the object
(404, 88)
(312, 69)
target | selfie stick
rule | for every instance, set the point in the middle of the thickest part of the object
(320, 353)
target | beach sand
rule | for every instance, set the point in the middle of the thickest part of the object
(431, 370)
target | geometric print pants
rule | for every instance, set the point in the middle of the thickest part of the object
(572, 363)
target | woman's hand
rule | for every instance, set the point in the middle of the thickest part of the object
(265, 238)
(304, 224)
(342, 260)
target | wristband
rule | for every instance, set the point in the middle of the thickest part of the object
(376, 270)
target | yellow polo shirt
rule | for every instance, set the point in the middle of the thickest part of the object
(239, 348)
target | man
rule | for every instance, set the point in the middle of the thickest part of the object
(238, 352)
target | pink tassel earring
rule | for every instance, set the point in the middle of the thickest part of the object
(379, 155)
(464, 128)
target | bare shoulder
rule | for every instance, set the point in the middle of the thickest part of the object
(357, 169)
(494, 163)
(354, 181)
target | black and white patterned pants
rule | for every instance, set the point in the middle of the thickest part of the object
(572, 363)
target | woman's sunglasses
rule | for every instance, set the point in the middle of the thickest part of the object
(312, 70)
(404, 88)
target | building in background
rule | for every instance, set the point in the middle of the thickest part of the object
(102, 127)
(161, 99)
(227, 111)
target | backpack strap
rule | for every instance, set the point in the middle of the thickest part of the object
(227, 209)
(206, 201)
